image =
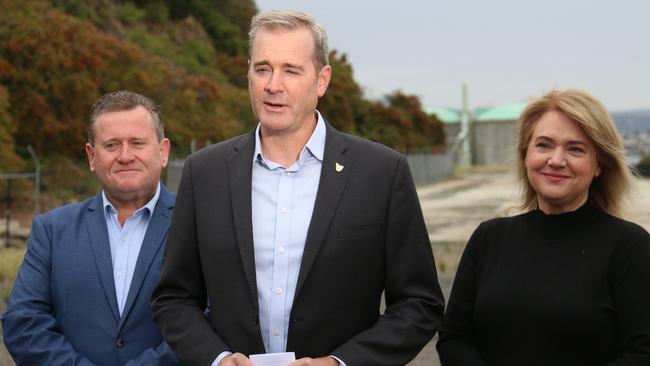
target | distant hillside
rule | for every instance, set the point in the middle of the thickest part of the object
(630, 122)
(58, 56)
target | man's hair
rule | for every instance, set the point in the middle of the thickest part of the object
(608, 190)
(289, 20)
(125, 100)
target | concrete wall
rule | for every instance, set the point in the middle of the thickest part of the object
(451, 130)
(428, 168)
(174, 171)
(493, 142)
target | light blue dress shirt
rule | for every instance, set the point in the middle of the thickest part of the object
(125, 242)
(282, 205)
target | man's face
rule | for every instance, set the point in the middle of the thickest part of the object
(283, 83)
(127, 157)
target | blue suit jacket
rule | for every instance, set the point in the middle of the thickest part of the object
(63, 308)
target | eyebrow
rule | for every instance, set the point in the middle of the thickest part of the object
(570, 142)
(115, 139)
(284, 65)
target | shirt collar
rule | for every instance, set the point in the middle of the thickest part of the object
(315, 145)
(148, 207)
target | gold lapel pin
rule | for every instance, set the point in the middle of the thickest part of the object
(339, 167)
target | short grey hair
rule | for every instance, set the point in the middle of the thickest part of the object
(125, 100)
(288, 20)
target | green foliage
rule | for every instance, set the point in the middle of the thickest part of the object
(343, 101)
(643, 167)
(238, 12)
(61, 65)
(423, 131)
(10, 260)
(183, 43)
(129, 13)
(235, 69)
(225, 35)
(81, 9)
(9, 160)
(58, 56)
(399, 123)
(226, 21)
(157, 11)
(66, 179)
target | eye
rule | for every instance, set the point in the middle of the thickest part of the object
(292, 71)
(576, 150)
(111, 146)
(139, 143)
(262, 69)
(543, 145)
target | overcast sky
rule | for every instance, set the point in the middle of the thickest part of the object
(505, 50)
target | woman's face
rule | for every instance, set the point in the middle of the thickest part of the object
(560, 163)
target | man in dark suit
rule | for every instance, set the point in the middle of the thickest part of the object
(83, 290)
(292, 232)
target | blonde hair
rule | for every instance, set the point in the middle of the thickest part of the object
(608, 191)
(289, 20)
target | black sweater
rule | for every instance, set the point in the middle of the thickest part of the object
(535, 289)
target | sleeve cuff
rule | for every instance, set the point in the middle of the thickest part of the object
(220, 357)
(341, 363)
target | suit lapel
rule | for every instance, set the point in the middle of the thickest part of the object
(240, 167)
(334, 175)
(153, 240)
(98, 237)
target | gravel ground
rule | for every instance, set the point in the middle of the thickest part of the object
(452, 210)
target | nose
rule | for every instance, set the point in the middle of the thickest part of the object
(274, 83)
(126, 155)
(557, 159)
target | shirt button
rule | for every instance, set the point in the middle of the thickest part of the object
(284, 210)
(276, 332)
(286, 174)
(281, 250)
(278, 290)
(118, 274)
(119, 343)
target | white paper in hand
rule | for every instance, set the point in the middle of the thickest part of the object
(273, 359)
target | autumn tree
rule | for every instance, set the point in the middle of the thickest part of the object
(343, 102)
(58, 56)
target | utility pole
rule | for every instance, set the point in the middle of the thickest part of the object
(37, 180)
(466, 155)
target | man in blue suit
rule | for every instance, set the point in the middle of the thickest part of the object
(82, 292)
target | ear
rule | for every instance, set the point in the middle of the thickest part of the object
(598, 171)
(90, 153)
(164, 152)
(324, 76)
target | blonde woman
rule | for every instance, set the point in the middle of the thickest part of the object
(565, 283)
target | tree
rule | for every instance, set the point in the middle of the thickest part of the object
(424, 131)
(343, 102)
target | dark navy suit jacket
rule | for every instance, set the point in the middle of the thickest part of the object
(366, 236)
(63, 308)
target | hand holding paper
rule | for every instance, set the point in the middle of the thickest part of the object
(273, 359)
